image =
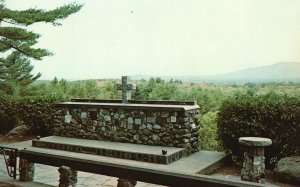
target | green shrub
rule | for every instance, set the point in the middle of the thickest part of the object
(272, 116)
(36, 112)
(7, 114)
(208, 132)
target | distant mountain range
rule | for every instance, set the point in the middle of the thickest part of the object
(280, 72)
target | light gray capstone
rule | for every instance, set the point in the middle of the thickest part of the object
(255, 141)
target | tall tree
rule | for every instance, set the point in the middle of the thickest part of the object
(16, 37)
(17, 44)
(15, 74)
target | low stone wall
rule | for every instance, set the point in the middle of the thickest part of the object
(163, 125)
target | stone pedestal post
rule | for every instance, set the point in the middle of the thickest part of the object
(126, 182)
(26, 170)
(67, 176)
(254, 159)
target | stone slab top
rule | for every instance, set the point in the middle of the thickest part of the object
(117, 146)
(160, 102)
(130, 105)
(255, 141)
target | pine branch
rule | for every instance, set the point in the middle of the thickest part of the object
(16, 48)
(9, 22)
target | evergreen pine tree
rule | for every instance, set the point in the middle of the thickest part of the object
(17, 44)
(16, 37)
(15, 74)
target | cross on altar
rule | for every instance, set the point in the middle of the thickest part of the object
(126, 88)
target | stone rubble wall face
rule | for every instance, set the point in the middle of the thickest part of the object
(161, 128)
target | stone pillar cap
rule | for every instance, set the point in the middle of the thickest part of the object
(255, 141)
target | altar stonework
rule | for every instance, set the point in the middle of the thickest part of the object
(172, 124)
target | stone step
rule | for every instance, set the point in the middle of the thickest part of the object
(144, 153)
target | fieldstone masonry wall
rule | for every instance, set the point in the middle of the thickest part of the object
(166, 126)
(67, 176)
(26, 170)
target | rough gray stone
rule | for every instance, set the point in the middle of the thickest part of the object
(133, 131)
(193, 126)
(288, 170)
(156, 127)
(155, 137)
(165, 114)
(149, 126)
(167, 139)
(138, 121)
(146, 132)
(136, 137)
(151, 119)
(173, 119)
(142, 127)
(129, 120)
(144, 138)
(83, 115)
(129, 126)
(19, 130)
(26, 170)
(123, 139)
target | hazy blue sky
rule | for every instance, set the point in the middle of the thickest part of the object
(110, 38)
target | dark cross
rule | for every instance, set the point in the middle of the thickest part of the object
(126, 89)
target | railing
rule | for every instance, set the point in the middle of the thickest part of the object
(10, 158)
(131, 171)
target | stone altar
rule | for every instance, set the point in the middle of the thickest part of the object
(172, 127)
(171, 124)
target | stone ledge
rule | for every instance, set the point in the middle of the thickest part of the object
(161, 102)
(255, 141)
(143, 153)
(131, 106)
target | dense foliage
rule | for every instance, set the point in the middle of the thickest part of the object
(36, 112)
(274, 116)
(208, 132)
(7, 113)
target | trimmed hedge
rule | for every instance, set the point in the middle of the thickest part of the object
(272, 116)
(36, 112)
